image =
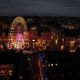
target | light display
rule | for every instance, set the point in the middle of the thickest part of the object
(49, 40)
(17, 38)
(19, 34)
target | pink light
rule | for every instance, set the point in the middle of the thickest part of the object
(19, 37)
(19, 33)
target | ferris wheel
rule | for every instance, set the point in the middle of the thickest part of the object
(17, 37)
(16, 21)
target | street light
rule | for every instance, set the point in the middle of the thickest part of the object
(33, 43)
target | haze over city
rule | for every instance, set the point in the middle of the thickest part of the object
(40, 7)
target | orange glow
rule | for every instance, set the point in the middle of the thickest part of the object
(72, 43)
(72, 46)
(56, 42)
(72, 51)
(62, 47)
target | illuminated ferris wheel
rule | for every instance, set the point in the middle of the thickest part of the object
(18, 33)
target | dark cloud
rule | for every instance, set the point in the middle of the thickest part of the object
(40, 7)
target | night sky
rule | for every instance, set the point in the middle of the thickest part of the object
(40, 7)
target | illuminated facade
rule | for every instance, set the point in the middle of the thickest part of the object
(56, 40)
